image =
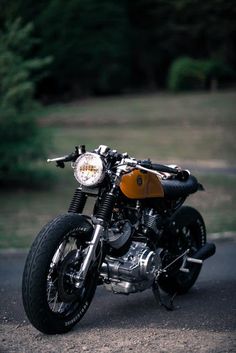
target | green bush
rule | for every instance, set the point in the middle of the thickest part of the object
(216, 72)
(190, 74)
(185, 74)
(21, 141)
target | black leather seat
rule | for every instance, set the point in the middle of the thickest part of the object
(174, 188)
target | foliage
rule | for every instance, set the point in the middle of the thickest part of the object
(88, 41)
(216, 71)
(188, 74)
(21, 142)
(107, 46)
(185, 74)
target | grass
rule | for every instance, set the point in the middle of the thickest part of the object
(217, 203)
(193, 130)
(198, 126)
(25, 212)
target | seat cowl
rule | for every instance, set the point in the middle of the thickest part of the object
(174, 188)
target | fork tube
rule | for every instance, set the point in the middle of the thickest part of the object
(98, 232)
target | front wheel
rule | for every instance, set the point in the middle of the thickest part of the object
(186, 231)
(51, 300)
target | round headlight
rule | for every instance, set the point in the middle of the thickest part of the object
(89, 169)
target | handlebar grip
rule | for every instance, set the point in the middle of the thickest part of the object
(163, 168)
(69, 158)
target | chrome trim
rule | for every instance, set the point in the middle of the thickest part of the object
(90, 256)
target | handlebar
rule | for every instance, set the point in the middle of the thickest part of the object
(180, 174)
(68, 158)
(161, 168)
(60, 161)
(151, 166)
(114, 156)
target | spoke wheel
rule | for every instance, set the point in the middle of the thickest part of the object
(188, 233)
(62, 294)
(52, 302)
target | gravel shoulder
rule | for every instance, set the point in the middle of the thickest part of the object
(204, 320)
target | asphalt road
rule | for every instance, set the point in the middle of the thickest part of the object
(204, 319)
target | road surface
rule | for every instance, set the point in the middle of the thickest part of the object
(204, 320)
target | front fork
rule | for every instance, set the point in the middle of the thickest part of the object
(90, 256)
(101, 221)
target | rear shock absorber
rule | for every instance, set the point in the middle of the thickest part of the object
(105, 210)
(78, 202)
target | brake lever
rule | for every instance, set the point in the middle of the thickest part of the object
(138, 166)
(58, 159)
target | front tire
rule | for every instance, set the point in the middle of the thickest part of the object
(186, 231)
(51, 301)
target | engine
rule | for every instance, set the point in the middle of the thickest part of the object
(133, 272)
(151, 219)
(121, 230)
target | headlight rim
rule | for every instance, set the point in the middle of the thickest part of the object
(100, 176)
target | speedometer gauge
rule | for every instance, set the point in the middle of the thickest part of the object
(89, 169)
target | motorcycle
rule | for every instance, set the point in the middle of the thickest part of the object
(140, 236)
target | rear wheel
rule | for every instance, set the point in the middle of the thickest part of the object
(52, 302)
(187, 231)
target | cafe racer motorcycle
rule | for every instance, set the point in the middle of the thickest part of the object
(139, 236)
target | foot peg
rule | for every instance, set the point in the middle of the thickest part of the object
(192, 260)
(202, 254)
(195, 261)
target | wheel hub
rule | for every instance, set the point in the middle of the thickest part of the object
(66, 284)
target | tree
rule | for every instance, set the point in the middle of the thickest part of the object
(21, 142)
(106, 46)
(89, 41)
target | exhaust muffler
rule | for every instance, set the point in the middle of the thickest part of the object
(205, 252)
(202, 254)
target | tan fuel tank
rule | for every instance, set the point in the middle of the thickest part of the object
(139, 185)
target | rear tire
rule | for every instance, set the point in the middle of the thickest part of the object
(52, 304)
(186, 230)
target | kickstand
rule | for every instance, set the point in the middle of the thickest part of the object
(166, 301)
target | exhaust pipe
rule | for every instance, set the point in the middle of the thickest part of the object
(206, 251)
(202, 254)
